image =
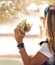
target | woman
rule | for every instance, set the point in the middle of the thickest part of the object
(47, 51)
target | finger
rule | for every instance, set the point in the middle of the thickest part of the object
(16, 29)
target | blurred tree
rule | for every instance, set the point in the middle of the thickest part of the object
(8, 8)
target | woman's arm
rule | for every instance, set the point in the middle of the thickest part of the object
(38, 59)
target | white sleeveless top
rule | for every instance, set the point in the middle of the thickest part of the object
(45, 50)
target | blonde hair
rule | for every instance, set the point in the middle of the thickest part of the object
(51, 30)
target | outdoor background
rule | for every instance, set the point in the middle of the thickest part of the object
(11, 12)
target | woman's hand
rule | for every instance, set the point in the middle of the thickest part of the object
(18, 35)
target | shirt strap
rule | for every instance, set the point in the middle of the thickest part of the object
(46, 41)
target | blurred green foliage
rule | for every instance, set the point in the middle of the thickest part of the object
(7, 10)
